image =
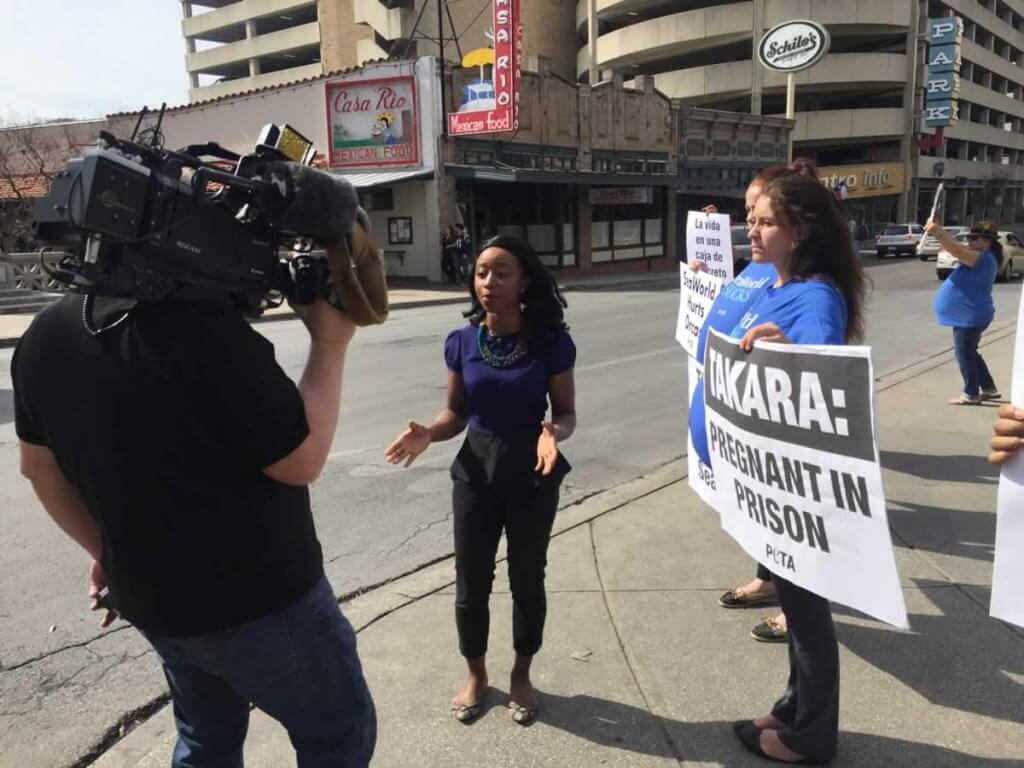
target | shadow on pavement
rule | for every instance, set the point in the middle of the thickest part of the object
(958, 469)
(948, 531)
(616, 725)
(958, 659)
(6, 406)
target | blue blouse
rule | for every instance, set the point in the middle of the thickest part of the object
(964, 300)
(732, 302)
(806, 311)
(506, 401)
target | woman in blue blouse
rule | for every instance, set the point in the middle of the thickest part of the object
(503, 367)
(732, 302)
(818, 298)
(964, 302)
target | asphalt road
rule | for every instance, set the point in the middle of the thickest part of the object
(377, 522)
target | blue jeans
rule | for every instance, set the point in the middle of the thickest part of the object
(972, 368)
(299, 666)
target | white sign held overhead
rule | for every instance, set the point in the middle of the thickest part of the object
(795, 458)
(793, 46)
(709, 239)
(1008, 571)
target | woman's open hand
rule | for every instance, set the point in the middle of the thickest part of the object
(408, 445)
(547, 449)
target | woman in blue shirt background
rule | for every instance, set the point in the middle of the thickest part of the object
(818, 298)
(503, 367)
(964, 302)
(733, 301)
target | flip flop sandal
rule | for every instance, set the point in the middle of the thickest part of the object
(466, 713)
(964, 400)
(738, 598)
(522, 715)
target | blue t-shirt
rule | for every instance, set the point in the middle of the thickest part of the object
(506, 401)
(730, 305)
(964, 299)
(806, 311)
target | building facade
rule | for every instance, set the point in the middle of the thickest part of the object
(858, 110)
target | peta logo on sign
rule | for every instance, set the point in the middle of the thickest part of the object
(793, 46)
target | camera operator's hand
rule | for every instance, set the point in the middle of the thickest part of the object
(98, 583)
(326, 323)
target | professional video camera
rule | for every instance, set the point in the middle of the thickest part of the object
(137, 221)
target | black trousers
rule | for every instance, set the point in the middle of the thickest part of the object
(763, 573)
(526, 514)
(809, 708)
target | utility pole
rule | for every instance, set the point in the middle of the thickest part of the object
(440, 59)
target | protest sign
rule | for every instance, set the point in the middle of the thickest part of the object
(791, 433)
(698, 291)
(699, 474)
(1008, 571)
(709, 239)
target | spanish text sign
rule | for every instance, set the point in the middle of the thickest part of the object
(799, 486)
(709, 239)
(1008, 572)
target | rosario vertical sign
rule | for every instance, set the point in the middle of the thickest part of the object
(493, 106)
(942, 86)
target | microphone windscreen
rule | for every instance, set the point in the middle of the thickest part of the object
(323, 205)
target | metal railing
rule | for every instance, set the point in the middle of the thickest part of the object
(24, 271)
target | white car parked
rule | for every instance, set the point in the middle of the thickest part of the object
(897, 239)
(1013, 256)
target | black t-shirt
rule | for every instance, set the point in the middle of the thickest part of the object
(163, 425)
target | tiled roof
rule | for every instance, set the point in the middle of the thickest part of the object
(265, 88)
(30, 185)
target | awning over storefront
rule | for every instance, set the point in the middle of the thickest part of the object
(382, 179)
(490, 173)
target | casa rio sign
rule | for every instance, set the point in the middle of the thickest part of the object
(793, 46)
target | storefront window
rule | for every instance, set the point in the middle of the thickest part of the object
(623, 232)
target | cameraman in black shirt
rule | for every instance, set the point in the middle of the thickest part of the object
(174, 449)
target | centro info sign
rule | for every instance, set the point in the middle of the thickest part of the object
(793, 46)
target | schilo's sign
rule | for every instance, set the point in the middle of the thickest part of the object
(793, 46)
(492, 105)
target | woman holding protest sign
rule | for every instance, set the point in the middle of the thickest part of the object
(818, 298)
(513, 356)
(733, 301)
(964, 302)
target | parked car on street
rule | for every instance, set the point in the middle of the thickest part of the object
(930, 246)
(898, 239)
(740, 247)
(1013, 257)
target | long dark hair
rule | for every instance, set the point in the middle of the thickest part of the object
(543, 303)
(826, 246)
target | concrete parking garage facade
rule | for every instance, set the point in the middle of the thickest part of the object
(859, 107)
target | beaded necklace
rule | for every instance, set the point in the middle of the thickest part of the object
(499, 351)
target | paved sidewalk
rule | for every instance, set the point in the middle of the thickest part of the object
(641, 667)
(413, 294)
